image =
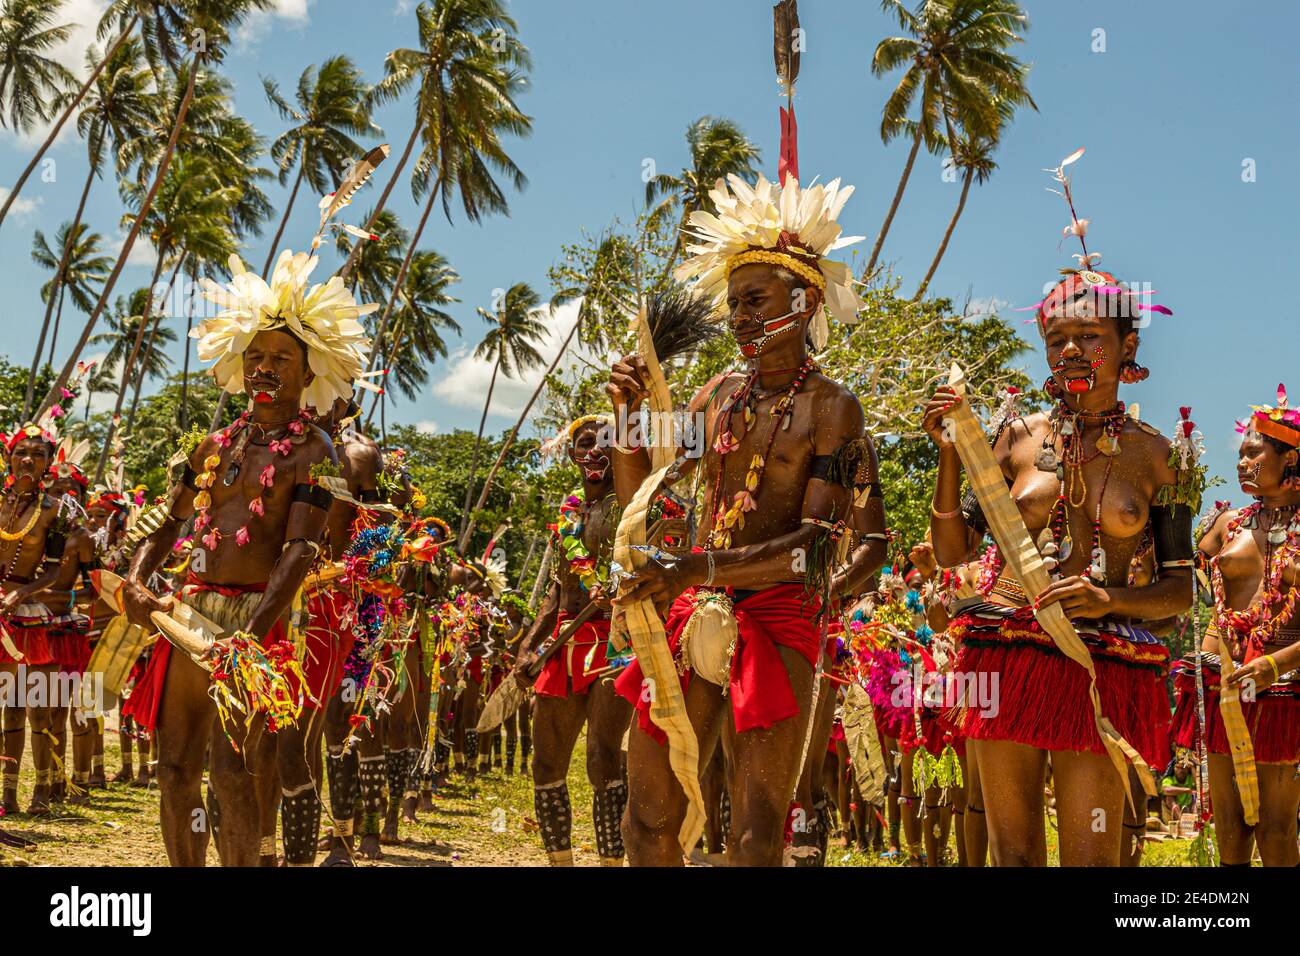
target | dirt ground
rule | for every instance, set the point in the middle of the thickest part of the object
(488, 822)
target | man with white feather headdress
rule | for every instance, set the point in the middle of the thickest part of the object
(784, 452)
(257, 494)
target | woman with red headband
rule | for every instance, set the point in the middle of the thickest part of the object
(1254, 563)
(1097, 490)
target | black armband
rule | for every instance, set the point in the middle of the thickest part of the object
(821, 467)
(314, 495)
(189, 479)
(55, 544)
(973, 512)
(369, 496)
(1171, 532)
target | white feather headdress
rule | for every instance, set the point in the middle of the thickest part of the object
(323, 317)
(782, 225)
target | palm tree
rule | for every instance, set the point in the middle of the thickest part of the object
(468, 49)
(78, 270)
(127, 318)
(375, 266)
(332, 107)
(956, 59)
(99, 380)
(116, 110)
(191, 215)
(975, 157)
(31, 83)
(126, 14)
(208, 20)
(718, 149)
(509, 346)
(467, 81)
(416, 332)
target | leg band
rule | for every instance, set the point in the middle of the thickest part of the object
(607, 817)
(471, 746)
(371, 774)
(341, 771)
(554, 816)
(300, 824)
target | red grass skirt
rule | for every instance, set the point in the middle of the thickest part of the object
(31, 637)
(1273, 718)
(759, 688)
(70, 648)
(329, 638)
(568, 663)
(1042, 696)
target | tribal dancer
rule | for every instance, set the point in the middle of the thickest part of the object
(30, 532)
(1254, 564)
(573, 687)
(776, 467)
(69, 630)
(259, 513)
(1095, 488)
(333, 615)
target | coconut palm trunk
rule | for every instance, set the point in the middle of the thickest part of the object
(392, 352)
(128, 366)
(478, 442)
(54, 334)
(148, 348)
(57, 285)
(63, 118)
(952, 224)
(893, 207)
(383, 198)
(468, 529)
(401, 276)
(127, 245)
(270, 253)
(185, 368)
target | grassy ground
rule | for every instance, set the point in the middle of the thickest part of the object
(489, 822)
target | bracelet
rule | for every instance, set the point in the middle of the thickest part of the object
(713, 569)
(944, 514)
(1273, 664)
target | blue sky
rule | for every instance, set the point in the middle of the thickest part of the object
(1184, 94)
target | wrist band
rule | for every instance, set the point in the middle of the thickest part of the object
(1273, 664)
(876, 536)
(713, 568)
(956, 512)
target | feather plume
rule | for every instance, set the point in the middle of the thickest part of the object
(680, 322)
(785, 48)
(355, 177)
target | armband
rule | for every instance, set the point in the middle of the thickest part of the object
(189, 479)
(1171, 532)
(974, 514)
(55, 544)
(315, 495)
(314, 545)
(821, 467)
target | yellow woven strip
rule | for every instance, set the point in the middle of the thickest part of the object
(1239, 743)
(774, 258)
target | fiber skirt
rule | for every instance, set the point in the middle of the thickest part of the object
(1028, 692)
(1273, 718)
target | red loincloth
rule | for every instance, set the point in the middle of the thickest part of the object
(567, 663)
(1272, 718)
(146, 699)
(329, 638)
(69, 646)
(759, 688)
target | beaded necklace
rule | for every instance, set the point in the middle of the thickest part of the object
(733, 516)
(1067, 424)
(1259, 623)
(589, 569)
(239, 433)
(21, 535)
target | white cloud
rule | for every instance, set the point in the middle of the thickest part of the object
(22, 206)
(987, 305)
(294, 13)
(426, 427)
(142, 251)
(84, 16)
(466, 382)
(403, 7)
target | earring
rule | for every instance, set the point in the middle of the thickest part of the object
(1130, 372)
(1052, 389)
